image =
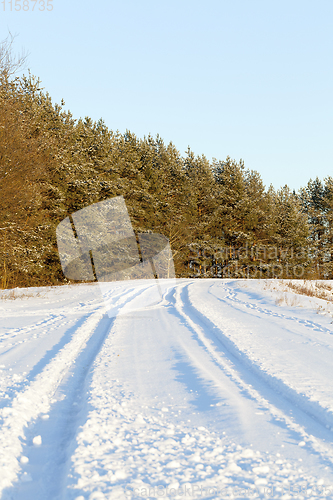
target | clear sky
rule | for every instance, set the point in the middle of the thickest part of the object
(252, 79)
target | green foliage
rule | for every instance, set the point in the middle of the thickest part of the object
(218, 216)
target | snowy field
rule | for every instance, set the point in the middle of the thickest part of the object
(222, 389)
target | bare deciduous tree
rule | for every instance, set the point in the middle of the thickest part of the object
(10, 63)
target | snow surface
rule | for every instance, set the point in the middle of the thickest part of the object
(218, 389)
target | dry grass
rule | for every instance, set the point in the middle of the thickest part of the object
(286, 300)
(26, 293)
(312, 289)
(289, 293)
(15, 293)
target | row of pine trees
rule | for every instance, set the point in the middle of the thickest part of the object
(219, 217)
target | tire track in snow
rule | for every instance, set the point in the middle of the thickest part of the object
(44, 323)
(49, 463)
(37, 399)
(68, 413)
(311, 407)
(229, 366)
(23, 380)
(128, 442)
(232, 296)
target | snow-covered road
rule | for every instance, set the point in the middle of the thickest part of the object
(217, 391)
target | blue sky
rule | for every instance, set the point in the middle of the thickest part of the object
(251, 79)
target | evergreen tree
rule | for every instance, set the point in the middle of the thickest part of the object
(312, 199)
(218, 216)
(291, 235)
(327, 202)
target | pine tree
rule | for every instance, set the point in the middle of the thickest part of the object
(312, 199)
(291, 236)
(201, 205)
(327, 203)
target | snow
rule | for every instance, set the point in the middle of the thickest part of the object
(200, 389)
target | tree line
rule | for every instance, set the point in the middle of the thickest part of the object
(219, 217)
